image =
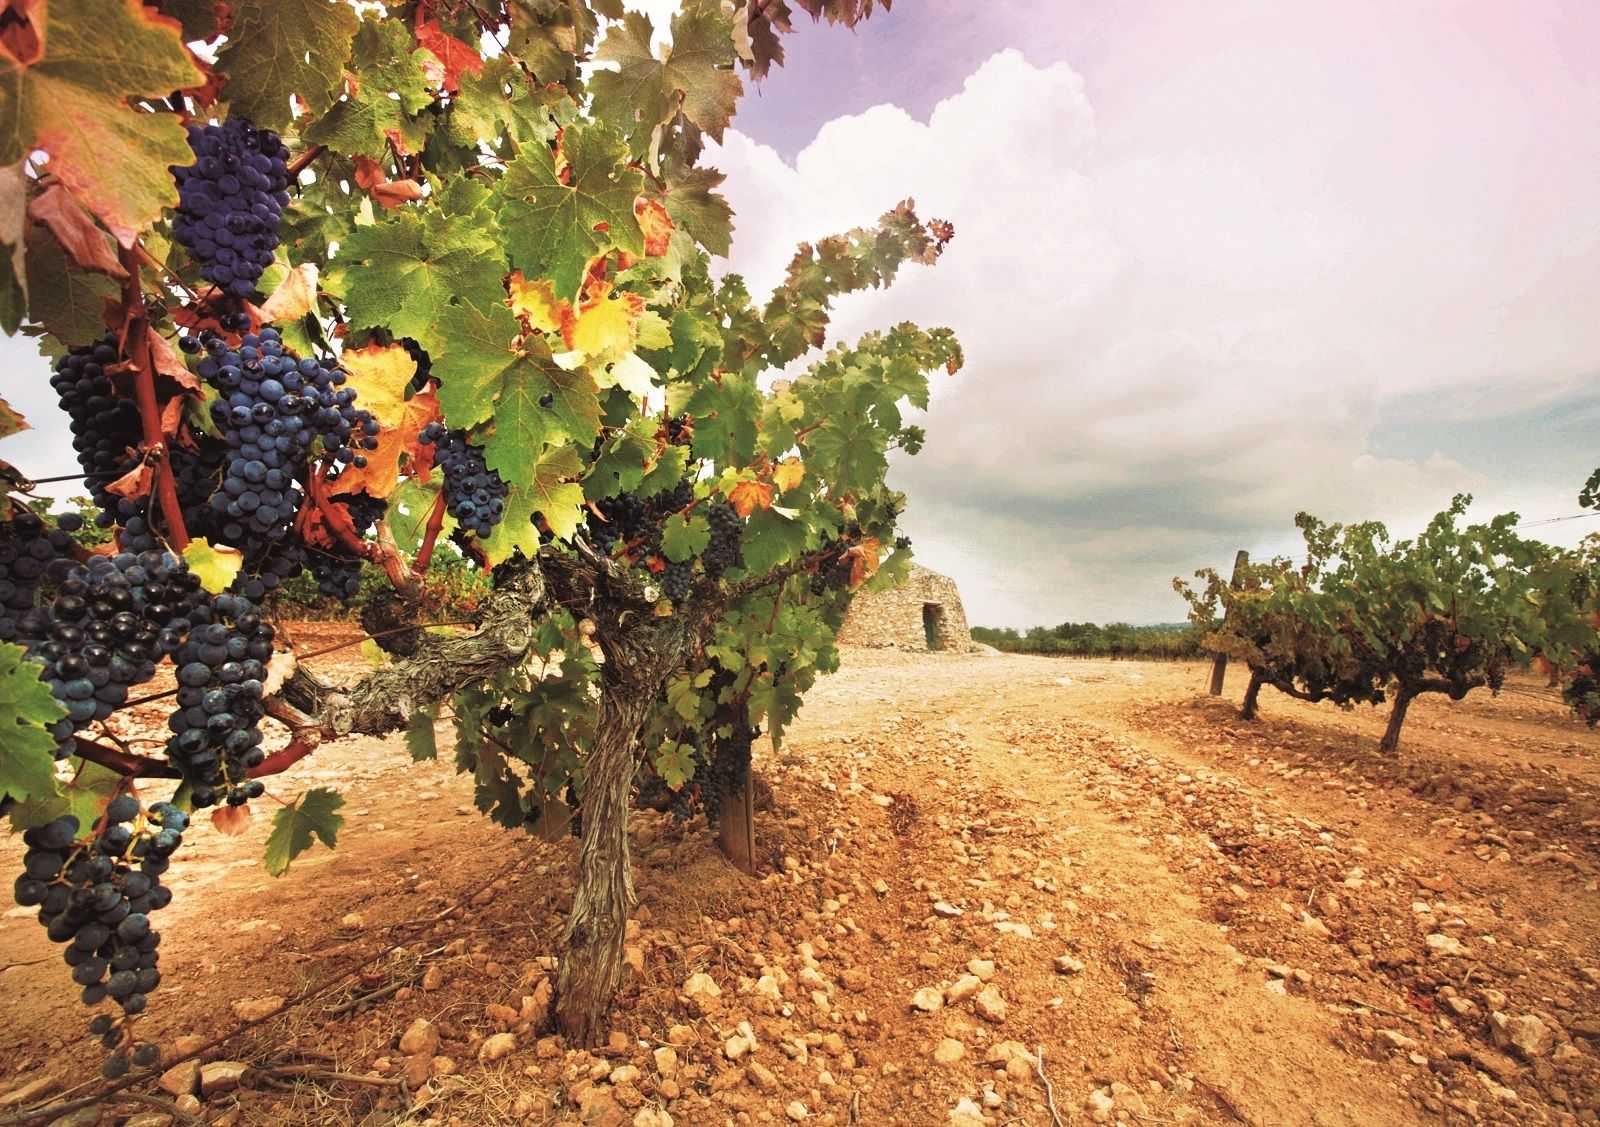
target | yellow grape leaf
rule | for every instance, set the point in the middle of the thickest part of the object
(631, 374)
(67, 89)
(748, 496)
(295, 296)
(217, 566)
(380, 374)
(398, 439)
(654, 331)
(788, 474)
(232, 820)
(536, 303)
(605, 327)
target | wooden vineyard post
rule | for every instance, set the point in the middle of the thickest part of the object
(736, 830)
(1219, 664)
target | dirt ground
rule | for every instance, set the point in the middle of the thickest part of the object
(997, 890)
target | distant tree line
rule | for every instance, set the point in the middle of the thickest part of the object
(1168, 641)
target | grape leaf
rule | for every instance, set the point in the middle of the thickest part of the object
(666, 473)
(72, 104)
(390, 88)
(553, 228)
(725, 419)
(788, 474)
(217, 566)
(420, 739)
(674, 762)
(314, 812)
(397, 440)
(644, 91)
(281, 47)
(198, 17)
(482, 111)
(487, 378)
(27, 709)
(409, 507)
(293, 297)
(621, 464)
(455, 56)
(771, 540)
(684, 537)
(552, 492)
(69, 303)
(84, 796)
(10, 421)
(405, 271)
(605, 327)
(87, 245)
(748, 496)
(694, 204)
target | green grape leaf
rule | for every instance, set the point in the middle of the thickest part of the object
(666, 473)
(405, 271)
(420, 741)
(553, 229)
(486, 378)
(770, 540)
(70, 100)
(683, 693)
(684, 537)
(409, 508)
(550, 489)
(696, 75)
(391, 88)
(695, 205)
(216, 566)
(197, 17)
(27, 709)
(620, 466)
(84, 796)
(281, 47)
(313, 813)
(674, 762)
(725, 419)
(482, 111)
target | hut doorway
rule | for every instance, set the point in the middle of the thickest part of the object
(933, 624)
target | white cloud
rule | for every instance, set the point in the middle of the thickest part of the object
(1175, 337)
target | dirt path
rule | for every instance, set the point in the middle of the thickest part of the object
(1198, 920)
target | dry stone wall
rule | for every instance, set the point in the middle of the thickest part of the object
(904, 617)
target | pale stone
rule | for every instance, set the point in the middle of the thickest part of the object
(796, 1111)
(420, 1037)
(761, 1076)
(1442, 946)
(221, 1076)
(990, 1004)
(497, 1047)
(983, 968)
(254, 1009)
(181, 1079)
(963, 988)
(702, 984)
(949, 1051)
(666, 1058)
(927, 1000)
(1066, 964)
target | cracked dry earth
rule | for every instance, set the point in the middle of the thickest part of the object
(997, 890)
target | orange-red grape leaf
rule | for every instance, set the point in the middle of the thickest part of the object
(72, 102)
(77, 233)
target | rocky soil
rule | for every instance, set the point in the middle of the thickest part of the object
(996, 890)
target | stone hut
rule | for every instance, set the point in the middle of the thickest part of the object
(923, 613)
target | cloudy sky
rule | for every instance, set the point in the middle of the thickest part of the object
(1214, 264)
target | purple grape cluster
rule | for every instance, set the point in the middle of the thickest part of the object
(106, 431)
(230, 202)
(216, 728)
(95, 895)
(274, 406)
(473, 493)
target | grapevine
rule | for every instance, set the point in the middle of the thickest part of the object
(402, 312)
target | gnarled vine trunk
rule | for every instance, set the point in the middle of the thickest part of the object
(591, 965)
(1397, 718)
(1247, 711)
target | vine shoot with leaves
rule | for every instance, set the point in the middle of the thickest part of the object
(323, 283)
